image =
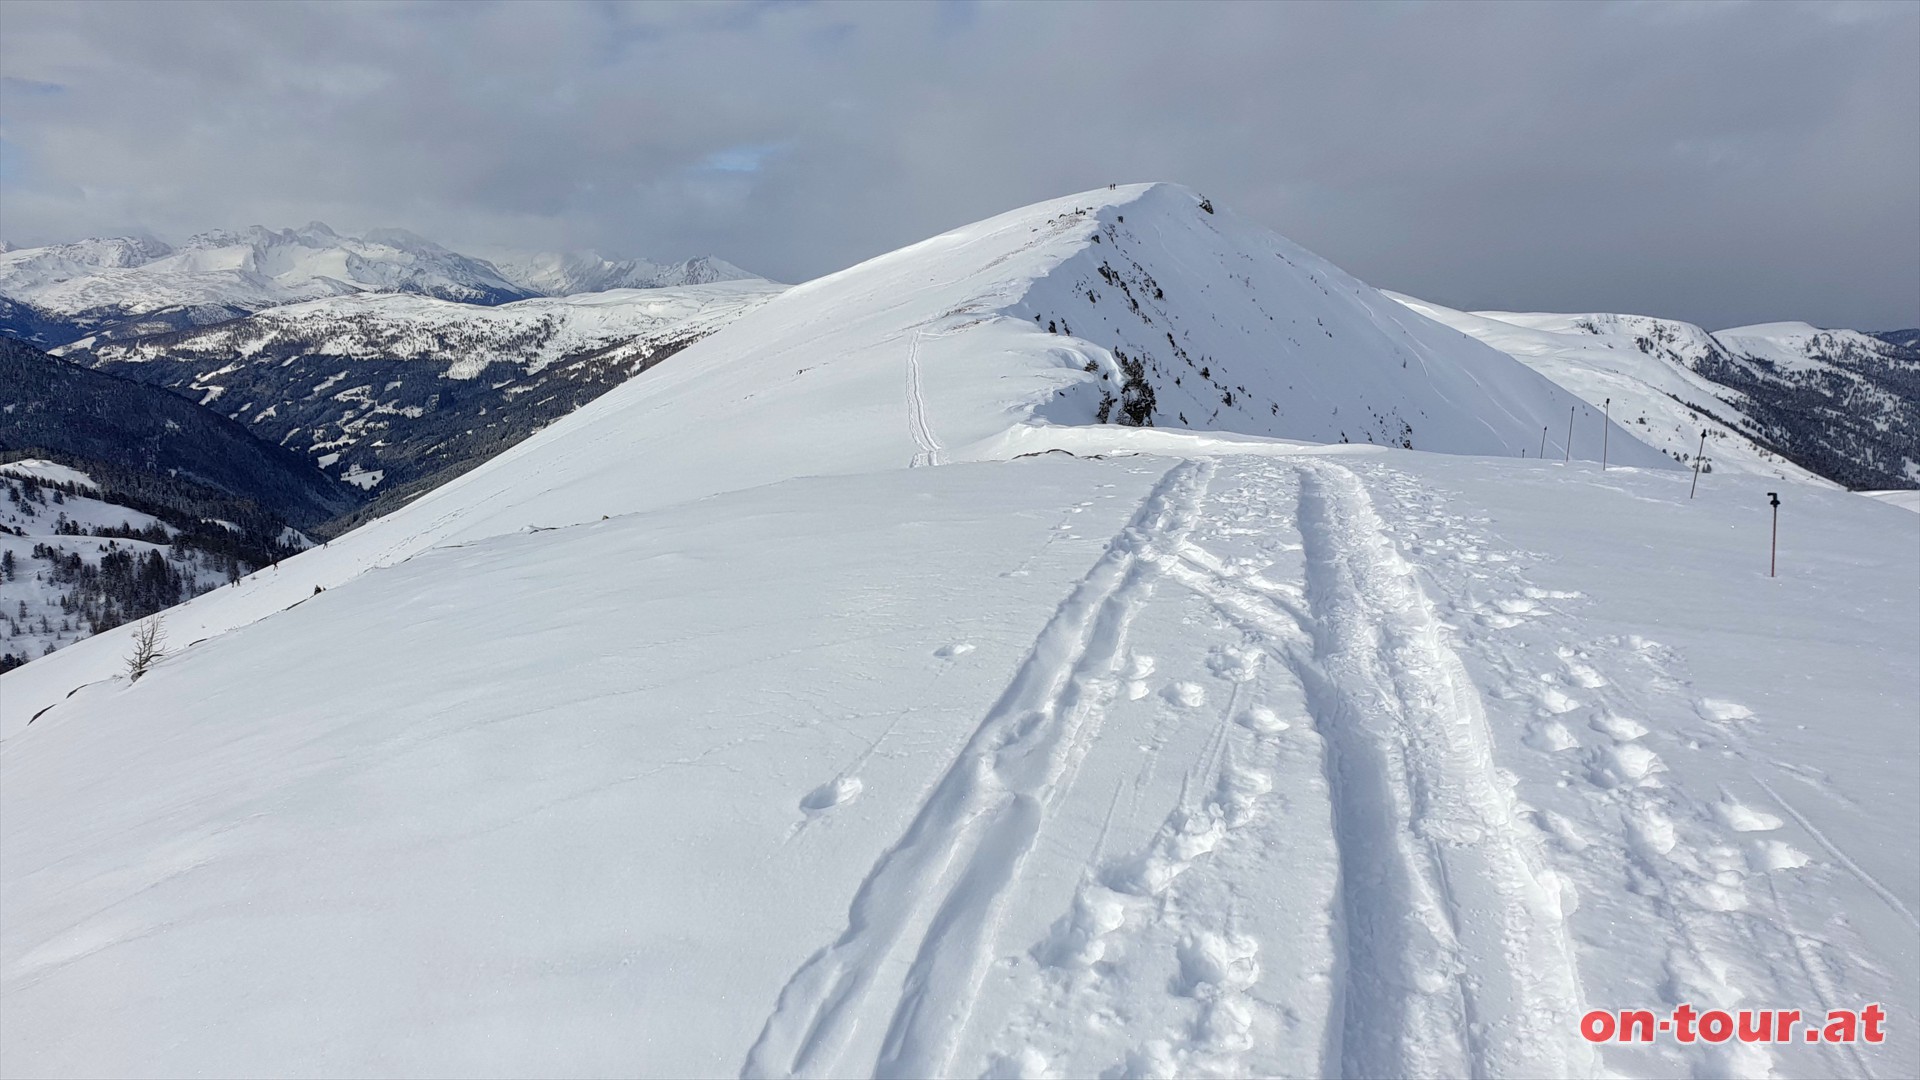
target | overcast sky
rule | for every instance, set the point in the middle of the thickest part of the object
(1723, 163)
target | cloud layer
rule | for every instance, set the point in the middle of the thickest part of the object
(1722, 163)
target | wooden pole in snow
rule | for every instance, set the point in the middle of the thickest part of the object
(1696, 464)
(1606, 422)
(1773, 553)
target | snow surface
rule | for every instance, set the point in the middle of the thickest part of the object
(49, 471)
(711, 732)
(1906, 499)
(1641, 364)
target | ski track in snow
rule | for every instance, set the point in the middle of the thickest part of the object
(1457, 958)
(936, 894)
(931, 452)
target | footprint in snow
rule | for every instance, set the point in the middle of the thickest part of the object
(840, 789)
(1550, 737)
(1618, 728)
(1210, 962)
(1724, 712)
(1621, 764)
(958, 648)
(1262, 721)
(1764, 856)
(1556, 702)
(1185, 695)
(1234, 663)
(1740, 817)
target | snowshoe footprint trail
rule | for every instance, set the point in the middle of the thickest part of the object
(935, 895)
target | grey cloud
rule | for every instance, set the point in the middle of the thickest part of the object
(1721, 163)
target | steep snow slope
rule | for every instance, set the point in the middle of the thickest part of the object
(702, 735)
(562, 274)
(1646, 366)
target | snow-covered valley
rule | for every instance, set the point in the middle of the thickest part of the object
(1103, 640)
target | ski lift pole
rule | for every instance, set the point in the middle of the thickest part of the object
(1773, 554)
(1571, 409)
(1606, 421)
(1696, 464)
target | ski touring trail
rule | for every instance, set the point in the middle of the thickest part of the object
(930, 904)
(1457, 960)
(931, 452)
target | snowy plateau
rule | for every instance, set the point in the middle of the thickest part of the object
(1103, 640)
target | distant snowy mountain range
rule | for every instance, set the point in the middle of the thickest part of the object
(130, 286)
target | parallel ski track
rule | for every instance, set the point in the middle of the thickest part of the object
(931, 452)
(937, 894)
(1457, 957)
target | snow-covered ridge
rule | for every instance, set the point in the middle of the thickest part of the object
(384, 389)
(1781, 399)
(999, 339)
(1645, 366)
(1795, 346)
(464, 338)
(565, 273)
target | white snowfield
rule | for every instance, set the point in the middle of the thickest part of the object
(42, 469)
(713, 733)
(1641, 365)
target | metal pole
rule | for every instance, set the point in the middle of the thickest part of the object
(1543, 440)
(1696, 464)
(1606, 422)
(1773, 555)
(1570, 411)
